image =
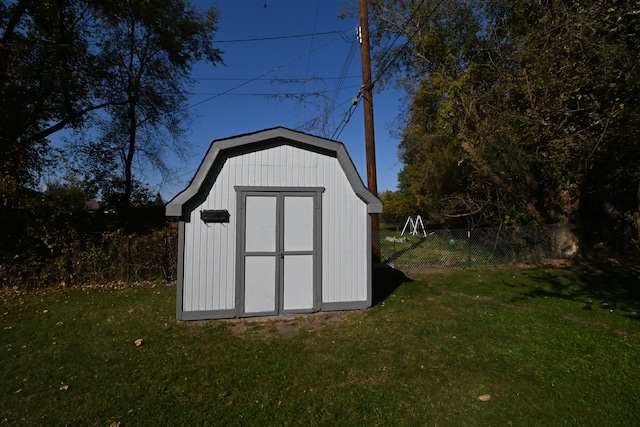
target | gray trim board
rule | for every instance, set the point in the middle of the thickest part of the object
(207, 314)
(345, 305)
(180, 273)
(369, 265)
(241, 188)
(259, 140)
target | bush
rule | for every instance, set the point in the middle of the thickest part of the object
(100, 258)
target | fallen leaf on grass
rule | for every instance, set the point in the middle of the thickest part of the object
(484, 397)
(59, 324)
(138, 342)
(64, 387)
(115, 424)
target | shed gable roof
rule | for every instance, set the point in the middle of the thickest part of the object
(279, 135)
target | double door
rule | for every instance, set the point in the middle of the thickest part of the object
(279, 257)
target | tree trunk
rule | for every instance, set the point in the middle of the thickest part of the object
(566, 241)
(132, 91)
(128, 164)
(636, 219)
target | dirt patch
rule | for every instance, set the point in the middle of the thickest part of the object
(284, 325)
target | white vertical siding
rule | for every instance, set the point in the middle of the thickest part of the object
(210, 249)
(345, 246)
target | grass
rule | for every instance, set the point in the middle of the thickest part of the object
(550, 346)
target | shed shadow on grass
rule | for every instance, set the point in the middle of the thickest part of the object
(386, 279)
(603, 286)
(397, 254)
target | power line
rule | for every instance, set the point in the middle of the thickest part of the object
(342, 34)
(272, 94)
(344, 71)
(356, 100)
(293, 36)
(315, 22)
(347, 116)
(263, 74)
(275, 79)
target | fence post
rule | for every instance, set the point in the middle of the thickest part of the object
(469, 246)
(394, 254)
(128, 271)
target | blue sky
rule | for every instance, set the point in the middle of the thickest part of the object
(278, 80)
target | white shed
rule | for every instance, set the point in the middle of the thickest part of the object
(276, 221)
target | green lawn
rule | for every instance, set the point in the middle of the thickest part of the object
(548, 346)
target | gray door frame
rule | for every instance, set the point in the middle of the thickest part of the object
(279, 193)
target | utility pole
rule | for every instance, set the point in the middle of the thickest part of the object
(367, 96)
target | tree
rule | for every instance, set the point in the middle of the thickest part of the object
(395, 210)
(433, 61)
(528, 117)
(147, 51)
(44, 86)
(564, 99)
(43, 79)
(61, 67)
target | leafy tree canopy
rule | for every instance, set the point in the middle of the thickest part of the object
(521, 111)
(60, 61)
(72, 64)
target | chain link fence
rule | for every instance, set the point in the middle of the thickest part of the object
(461, 248)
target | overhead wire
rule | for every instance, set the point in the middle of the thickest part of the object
(315, 22)
(276, 79)
(340, 79)
(292, 36)
(273, 94)
(262, 75)
(357, 98)
(332, 104)
(347, 117)
(344, 71)
(342, 34)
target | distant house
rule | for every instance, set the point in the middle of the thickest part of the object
(276, 221)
